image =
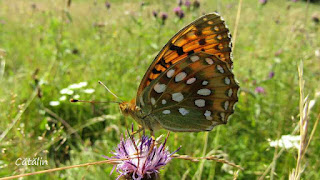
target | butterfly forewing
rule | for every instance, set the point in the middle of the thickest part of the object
(207, 34)
(194, 94)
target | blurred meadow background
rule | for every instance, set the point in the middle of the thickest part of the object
(55, 50)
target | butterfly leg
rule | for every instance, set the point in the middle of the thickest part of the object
(137, 131)
(153, 142)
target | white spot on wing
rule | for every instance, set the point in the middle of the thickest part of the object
(209, 61)
(226, 105)
(220, 69)
(227, 80)
(170, 73)
(191, 80)
(207, 114)
(180, 76)
(222, 116)
(177, 97)
(230, 92)
(204, 92)
(200, 102)
(164, 101)
(159, 88)
(183, 111)
(205, 83)
(153, 101)
(194, 58)
(166, 112)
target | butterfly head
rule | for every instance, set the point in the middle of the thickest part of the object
(127, 108)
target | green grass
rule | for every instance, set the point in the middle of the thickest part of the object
(67, 47)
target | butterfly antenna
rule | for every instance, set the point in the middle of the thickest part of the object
(109, 90)
(93, 102)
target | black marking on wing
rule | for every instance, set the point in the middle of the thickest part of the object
(178, 49)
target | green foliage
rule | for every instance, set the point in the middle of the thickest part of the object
(50, 46)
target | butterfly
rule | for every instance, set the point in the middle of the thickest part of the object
(189, 87)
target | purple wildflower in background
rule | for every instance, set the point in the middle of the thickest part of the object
(187, 3)
(140, 158)
(294, 0)
(260, 90)
(263, 2)
(181, 15)
(107, 4)
(164, 17)
(155, 13)
(179, 12)
(271, 74)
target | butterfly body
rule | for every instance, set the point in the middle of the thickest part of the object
(145, 120)
(190, 86)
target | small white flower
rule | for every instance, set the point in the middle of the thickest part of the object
(66, 91)
(54, 103)
(88, 91)
(78, 86)
(287, 141)
(62, 98)
(83, 84)
(317, 53)
(77, 96)
(74, 86)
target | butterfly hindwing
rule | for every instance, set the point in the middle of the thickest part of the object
(194, 94)
(207, 34)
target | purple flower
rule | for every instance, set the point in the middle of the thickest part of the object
(164, 17)
(179, 12)
(187, 3)
(260, 90)
(271, 74)
(263, 2)
(140, 158)
(107, 4)
(155, 14)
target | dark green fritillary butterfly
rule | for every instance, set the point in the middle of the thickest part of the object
(189, 87)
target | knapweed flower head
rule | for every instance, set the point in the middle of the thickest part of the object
(260, 90)
(107, 4)
(263, 2)
(140, 158)
(271, 74)
(164, 17)
(187, 3)
(155, 13)
(179, 12)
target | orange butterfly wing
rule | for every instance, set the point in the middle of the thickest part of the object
(208, 34)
